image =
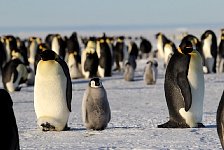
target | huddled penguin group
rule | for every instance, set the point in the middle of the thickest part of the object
(51, 65)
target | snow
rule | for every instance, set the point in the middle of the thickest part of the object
(136, 110)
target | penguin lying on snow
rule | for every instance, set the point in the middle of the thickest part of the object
(52, 92)
(96, 112)
(220, 120)
(10, 134)
(14, 73)
(184, 88)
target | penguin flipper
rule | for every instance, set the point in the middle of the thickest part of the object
(185, 88)
(69, 82)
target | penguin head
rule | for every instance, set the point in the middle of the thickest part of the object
(95, 83)
(48, 55)
(185, 46)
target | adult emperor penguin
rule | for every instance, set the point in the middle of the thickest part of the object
(52, 92)
(105, 57)
(150, 72)
(89, 59)
(10, 136)
(220, 55)
(220, 120)
(96, 112)
(209, 49)
(184, 88)
(161, 41)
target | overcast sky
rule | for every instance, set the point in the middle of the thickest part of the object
(16, 13)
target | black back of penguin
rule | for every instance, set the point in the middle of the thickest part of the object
(10, 135)
(105, 60)
(91, 63)
(220, 120)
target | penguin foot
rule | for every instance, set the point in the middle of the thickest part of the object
(200, 125)
(172, 124)
(47, 127)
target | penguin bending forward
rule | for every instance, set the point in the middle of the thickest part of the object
(10, 136)
(96, 112)
(220, 120)
(52, 92)
(184, 88)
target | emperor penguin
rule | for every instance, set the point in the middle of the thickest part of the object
(105, 57)
(10, 136)
(161, 41)
(184, 88)
(52, 92)
(220, 55)
(150, 72)
(209, 49)
(120, 54)
(145, 47)
(96, 112)
(89, 59)
(220, 120)
(169, 49)
(14, 73)
(58, 45)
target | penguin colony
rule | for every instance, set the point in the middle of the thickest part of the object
(34, 61)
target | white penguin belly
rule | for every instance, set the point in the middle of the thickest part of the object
(101, 71)
(168, 51)
(160, 48)
(196, 81)
(209, 60)
(50, 93)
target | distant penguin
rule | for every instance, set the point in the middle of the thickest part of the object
(169, 49)
(161, 41)
(128, 72)
(74, 65)
(184, 88)
(52, 92)
(14, 73)
(32, 50)
(220, 120)
(150, 72)
(209, 48)
(120, 54)
(133, 49)
(2, 56)
(96, 112)
(58, 45)
(145, 47)
(90, 60)
(220, 55)
(10, 136)
(105, 58)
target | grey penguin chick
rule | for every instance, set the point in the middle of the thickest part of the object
(150, 72)
(128, 72)
(96, 112)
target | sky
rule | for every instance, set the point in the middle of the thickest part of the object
(52, 13)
